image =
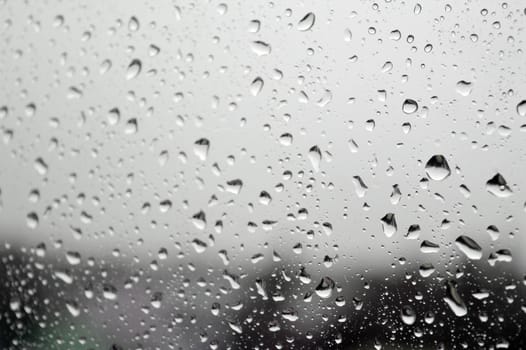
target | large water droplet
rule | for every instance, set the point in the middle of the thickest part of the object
(134, 69)
(256, 86)
(409, 106)
(389, 224)
(41, 166)
(521, 108)
(307, 22)
(315, 157)
(408, 315)
(325, 287)
(455, 303)
(201, 148)
(260, 48)
(469, 247)
(437, 168)
(464, 87)
(133, 24)
(498, 186)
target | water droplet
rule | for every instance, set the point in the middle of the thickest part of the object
(426, 270)
(498, 186)
(521, 108)
(134, 69)
(199, 220)
(131, 126)
(359, 186)
(429, 247)
(408, 315)
(409, 106)
(201, 148)
(285, 139)
(469, 247)
(73, 258)
(256, 86)
(32, 220)
(105, 66)
(236, 327)
(199, 246)
(109, 292)
(464, 87)
(315, 157)
(493, 232)
(133, 24)
(114, 115)
(437, 168)
(41, 166)
(325, 288)
(307, 22)
(453, 300)
(254, 26)
(389, 225)
(260, 48)
(73, 308)
(234, 186)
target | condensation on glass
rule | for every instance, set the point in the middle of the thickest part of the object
(262, 174)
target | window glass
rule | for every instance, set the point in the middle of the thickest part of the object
(262, 174)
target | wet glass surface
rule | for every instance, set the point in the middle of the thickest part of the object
(262, 175)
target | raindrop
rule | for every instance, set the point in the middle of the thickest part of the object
(114, 115)
(32, 220)
(464, 87)
(201, 148)
(498, 186)
(453, 300)
(469, 247)
(131, 126)
(437, 168)
(307, 22)
(359, 186)
(254, 26)
(325, 288)
(134, 68)
(260, 48)
(285, 139)
(41, 166)
(256, 86)
(315, 157)
(409, 106)
(429, 247)
(521, 108)
(234, 186)
(408, 315)
(133, 24)
(389, 224)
